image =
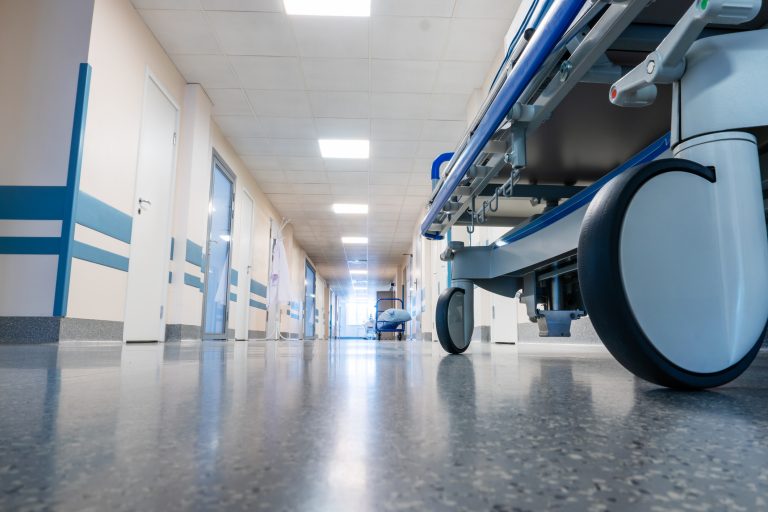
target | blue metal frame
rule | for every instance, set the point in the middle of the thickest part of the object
(559, 17)
(402, 324)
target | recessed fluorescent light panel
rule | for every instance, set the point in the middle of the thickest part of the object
(345, 148)
(350, 208)
(358, 272)
(354, 240)
(328, 7)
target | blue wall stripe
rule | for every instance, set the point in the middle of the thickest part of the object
(233, 297)
(233, 277)
(173, 246)
(73, 184)
(99, 216)
(295, 317)
(258, 288)
(258, 305)
(193, 281)
(29, 245)
(33, 203)
(93, 254)
(170, 277)
(194, 254)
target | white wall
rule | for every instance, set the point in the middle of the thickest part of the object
(42, 44)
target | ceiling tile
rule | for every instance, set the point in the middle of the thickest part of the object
(298, 163)
(243, 5)
(450, 131)
(387, 165)
(229, 101)
(182, 32)
(334, 128)
(280, 73)
(436, 8)
(340, 104)
(336, 74)
(403, 76)
(389, 178)
(212, 71)
(351, 178)
(252, 146)
(280, 103)
(408, 38)
(393, 148)
(347, 165)
(295, 147)
(432, 149)
(396, 129)
(461, 77)
(261, 163)
(350, 189)
(497, 9)
(289, 127)
(253, 33)
(327, 36)
(448, 106)
(475, 39)
(240, 126)
(269, 176)
(306, 177)
(400, 106)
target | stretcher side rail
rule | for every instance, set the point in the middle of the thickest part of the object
(536, 84)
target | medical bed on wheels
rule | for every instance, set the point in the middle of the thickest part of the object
(667, 253)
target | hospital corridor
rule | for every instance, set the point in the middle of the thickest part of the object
(374, 255)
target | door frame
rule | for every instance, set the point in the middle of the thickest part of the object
(149, 75)
(247, 286)
(228, 173)
(307, 264)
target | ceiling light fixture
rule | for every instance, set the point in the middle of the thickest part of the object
(354, 239)
(328, 7)
(344, 148)
(342, 208)
(358, 272)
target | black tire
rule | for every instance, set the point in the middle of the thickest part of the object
(604, 294)
(449, 320)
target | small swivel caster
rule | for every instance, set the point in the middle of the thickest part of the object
(451, 321)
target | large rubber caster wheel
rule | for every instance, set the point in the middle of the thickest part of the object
(449, 320)
(667, 287)
(399, 336)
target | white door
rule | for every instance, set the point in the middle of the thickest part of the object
(244, 281)
(150, 239)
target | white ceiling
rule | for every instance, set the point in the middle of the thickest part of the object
(401, 78)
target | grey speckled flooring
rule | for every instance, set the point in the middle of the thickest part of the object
(365, 426)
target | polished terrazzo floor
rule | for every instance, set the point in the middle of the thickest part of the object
(369, 426)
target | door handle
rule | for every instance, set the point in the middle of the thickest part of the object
(144, 204)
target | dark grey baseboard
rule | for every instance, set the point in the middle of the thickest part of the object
(29, 329)
(82, 329)
(47, 329)
(178, 332)
(289, 335)
(482, 333)
(426, 336)
(257, 335)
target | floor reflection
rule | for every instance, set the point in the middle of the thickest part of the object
(367, 426)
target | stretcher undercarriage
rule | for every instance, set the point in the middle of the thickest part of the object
(640, 127)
